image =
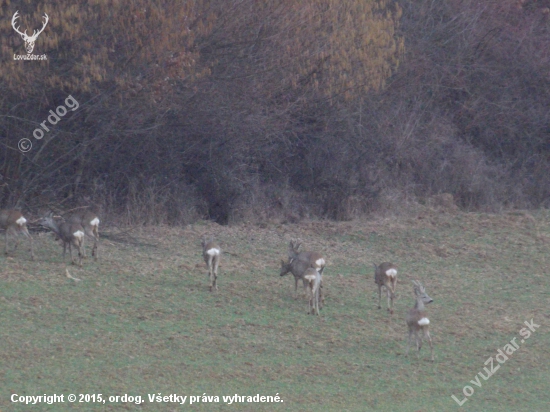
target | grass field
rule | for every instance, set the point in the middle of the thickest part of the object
(142, 321)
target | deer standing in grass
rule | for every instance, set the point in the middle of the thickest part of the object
(386, 275)
(312, 280)
(417, 320)
(13, 222)
(90, 223)
(211, 253)
(71, 234)
(299, 262)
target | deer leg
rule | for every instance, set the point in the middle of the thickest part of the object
(379, 295)
(6, 241)
(96, 244)
(28, 235)
(429, 339)
(216, 262)
(16, 243)
(317, 293)
(408, 342)
(64, 249)
(80, 253)
(70, 252)
(310, 302)
(418, 343)
(210, 272)
(87, 233)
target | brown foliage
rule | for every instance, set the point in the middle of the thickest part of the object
(247, 110)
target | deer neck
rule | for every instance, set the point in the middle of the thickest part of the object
(55, 226)
(419, 304)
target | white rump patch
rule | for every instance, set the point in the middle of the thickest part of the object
(79, 234)
(310, 277)
(424, 322)
(391, 272)
(95, 222)
(213, 252)
(21, 221)
(320, 262)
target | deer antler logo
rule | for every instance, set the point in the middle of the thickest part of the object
(29, 40)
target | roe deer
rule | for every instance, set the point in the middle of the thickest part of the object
(386, 275)
(314, 259)
(71, 234)
(417, 320)
(211, 253)
(13, 222)
(90, 223)
(298, 268)
(306, 260)
(312, 279)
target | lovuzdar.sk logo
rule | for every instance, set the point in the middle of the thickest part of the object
(29, 40)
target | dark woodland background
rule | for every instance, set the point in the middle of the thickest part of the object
(244, 110)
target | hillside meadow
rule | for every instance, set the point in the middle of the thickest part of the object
(141, 321)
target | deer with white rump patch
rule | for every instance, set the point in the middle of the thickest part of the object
(299, 262)
(211, 253)
(71, 234)
(14, 223)
(312, 280)
(386, 275)
(90, 223)
(417, 320)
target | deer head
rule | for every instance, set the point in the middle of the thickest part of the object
(29, 40)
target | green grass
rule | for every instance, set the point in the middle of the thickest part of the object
(142, 321)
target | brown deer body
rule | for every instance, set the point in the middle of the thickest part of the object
(14, 223)
(90, 222)
(386, 275)
(417, 321)
(71, 234)
(211, 253)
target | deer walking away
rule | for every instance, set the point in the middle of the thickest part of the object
(71, 234)
(211, 253)
(312, 279)
(385, 276)
(90, 223)
(14, 223)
